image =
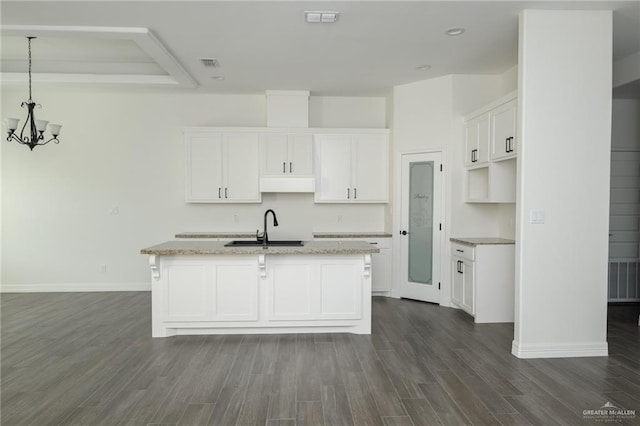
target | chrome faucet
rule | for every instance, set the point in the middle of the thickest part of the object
(265, 236)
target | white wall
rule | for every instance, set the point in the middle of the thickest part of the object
(625, 127)
(124, 149)
(342, 111)
(563, 169)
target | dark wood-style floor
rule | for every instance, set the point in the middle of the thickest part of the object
(88, 358)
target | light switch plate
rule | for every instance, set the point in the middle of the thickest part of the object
(536, 217)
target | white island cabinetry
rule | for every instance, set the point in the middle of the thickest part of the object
(381, 262)
(203, 287)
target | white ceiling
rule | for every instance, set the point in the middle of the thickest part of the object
(267, 45)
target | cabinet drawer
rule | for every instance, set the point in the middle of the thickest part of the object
(463, 251)
(381, 243)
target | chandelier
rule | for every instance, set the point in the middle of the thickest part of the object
(32, 132)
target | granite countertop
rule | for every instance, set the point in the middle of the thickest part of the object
(216, 235)
(172, 248)
(481, 241)
(351, 235)
(253, 234)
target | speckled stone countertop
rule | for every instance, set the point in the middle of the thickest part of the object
(174, 248)
(252, 235)
(481, 241)
(216, 235)
(351, 235)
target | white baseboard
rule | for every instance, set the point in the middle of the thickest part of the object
(73, 287)
(570, 350)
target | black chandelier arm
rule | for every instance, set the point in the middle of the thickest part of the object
(30, 142)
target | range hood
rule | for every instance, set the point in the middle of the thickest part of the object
(287, 109)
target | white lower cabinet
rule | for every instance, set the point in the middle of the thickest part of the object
(226, 290)
(483, 281)
(381, 263)
(303, 290)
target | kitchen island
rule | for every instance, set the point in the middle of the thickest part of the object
(204, 287)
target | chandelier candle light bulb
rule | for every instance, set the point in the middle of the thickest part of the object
(35, 133)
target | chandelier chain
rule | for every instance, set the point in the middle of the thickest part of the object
(29, 39)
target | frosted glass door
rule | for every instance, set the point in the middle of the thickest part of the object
(420, 222)
(421, 208)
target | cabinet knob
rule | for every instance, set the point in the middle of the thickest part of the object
(403, 232)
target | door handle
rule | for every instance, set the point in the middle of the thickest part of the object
(403, 232)
(460, 251)
(459, 266)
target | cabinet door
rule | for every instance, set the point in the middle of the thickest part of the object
(314, 288)
(457, 276)
(468, 286)
(381, 265)
(202, 290)
(370, 168)
(503, 131)
(333, 168)
(477, 141)
(470, 142)
(274, 147)
(203, 177)
(241, 167)
(300, 155)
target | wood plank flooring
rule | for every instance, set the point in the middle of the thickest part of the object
(88, 359)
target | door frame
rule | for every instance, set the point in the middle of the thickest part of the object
(445, 288)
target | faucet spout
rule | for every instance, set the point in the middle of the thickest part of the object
(265, 235)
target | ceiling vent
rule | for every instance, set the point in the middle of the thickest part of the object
(321, 17)
(210, 62)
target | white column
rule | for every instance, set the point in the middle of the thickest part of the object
(564, 95)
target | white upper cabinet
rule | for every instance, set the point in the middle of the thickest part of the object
(477, 141)
(287, 154)
(222, 167)
(352, 168)
(333, 168)
(492, 129)
(503, 131)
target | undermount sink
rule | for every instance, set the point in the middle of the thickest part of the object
(254, 243)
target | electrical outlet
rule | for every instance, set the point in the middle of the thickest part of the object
(236, 217)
